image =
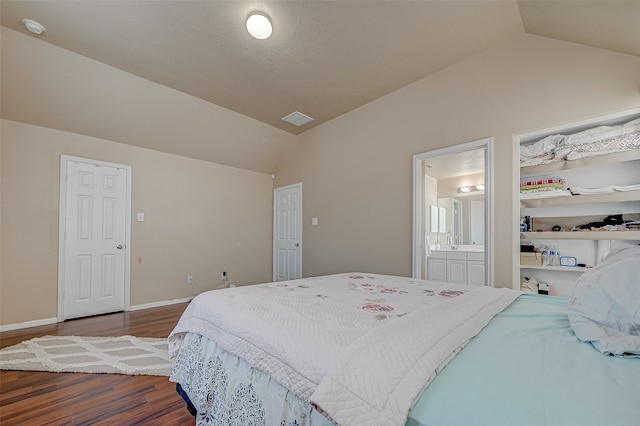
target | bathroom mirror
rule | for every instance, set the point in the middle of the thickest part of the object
(455, 184)
(465, 220)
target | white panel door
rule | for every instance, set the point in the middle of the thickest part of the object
(287, 233)
(94, 217)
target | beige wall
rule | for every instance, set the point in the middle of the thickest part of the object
(45, 85)
(357, 168)
(201, 219)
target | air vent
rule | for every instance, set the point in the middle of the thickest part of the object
(297, 119)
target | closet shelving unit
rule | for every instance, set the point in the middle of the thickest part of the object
(589, 247)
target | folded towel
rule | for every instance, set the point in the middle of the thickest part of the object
(604, 189)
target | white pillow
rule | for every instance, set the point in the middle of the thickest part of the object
(604, 308)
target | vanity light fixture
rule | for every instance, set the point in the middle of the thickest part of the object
(259, 25)
(471, 188)
(33, 26)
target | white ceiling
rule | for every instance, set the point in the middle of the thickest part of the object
(325, 58)
(454, 165)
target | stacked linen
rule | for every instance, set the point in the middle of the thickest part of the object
(543, 188)
(633, 225)
(604, 189)
(597, 141)
(541, 152)
(601, 140)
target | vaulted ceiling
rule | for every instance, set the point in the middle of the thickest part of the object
(324, 58)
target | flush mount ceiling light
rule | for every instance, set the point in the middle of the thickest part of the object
(33, 26)
(259, 25)
(297, 118)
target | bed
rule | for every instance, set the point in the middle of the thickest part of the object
(369, 349)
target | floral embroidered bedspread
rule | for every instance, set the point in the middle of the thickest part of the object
(299, 331)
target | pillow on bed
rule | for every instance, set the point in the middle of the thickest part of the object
(604, 308)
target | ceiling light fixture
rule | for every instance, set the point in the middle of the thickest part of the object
(480, 187)
(259, 25)
(33, 26)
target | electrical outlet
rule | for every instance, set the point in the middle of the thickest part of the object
(190, 279)
(223, 276)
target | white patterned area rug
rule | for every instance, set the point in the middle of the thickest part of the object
(75, 354)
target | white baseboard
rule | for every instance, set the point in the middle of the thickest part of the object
(158, 304)
(47, 321)
(34, 323)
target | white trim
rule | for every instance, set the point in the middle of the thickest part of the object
(515, 214)
(49, 321)
(158, 304)
(61, 228)
(418, 219)
(28, 324)
(489, 219)
(418, 203)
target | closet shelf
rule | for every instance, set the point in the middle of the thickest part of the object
(574, 200)
(598, 160)
(581, 235)
(557, 268)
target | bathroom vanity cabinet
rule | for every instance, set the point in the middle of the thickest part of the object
(456, 266)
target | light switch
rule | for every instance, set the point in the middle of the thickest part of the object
(140, 217)
(314, 220)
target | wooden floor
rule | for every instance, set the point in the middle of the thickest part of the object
(37, 398)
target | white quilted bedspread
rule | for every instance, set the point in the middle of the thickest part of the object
(361, 347)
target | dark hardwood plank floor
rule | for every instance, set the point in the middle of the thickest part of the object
(38, 398)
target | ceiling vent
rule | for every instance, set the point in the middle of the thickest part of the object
(297, 119)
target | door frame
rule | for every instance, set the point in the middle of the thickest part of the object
(418, 249)
(275, 218)
(64, 159)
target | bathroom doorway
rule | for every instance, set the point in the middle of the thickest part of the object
(452, 212)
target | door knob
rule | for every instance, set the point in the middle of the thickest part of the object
(297, 244)
(119, 246)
